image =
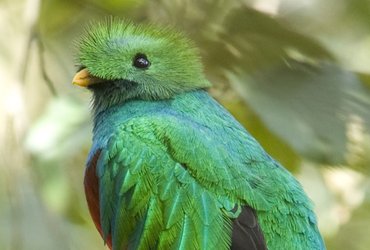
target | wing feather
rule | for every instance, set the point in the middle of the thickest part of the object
(157, 194)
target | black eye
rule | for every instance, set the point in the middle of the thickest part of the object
(141, 62)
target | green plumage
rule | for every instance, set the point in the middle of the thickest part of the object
(175, 167)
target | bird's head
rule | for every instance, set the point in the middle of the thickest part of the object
(120, 61)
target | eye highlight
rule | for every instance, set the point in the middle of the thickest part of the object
(141, 61)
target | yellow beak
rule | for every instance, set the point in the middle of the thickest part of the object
(84, 79)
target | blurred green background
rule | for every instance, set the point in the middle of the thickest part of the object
(296, 74)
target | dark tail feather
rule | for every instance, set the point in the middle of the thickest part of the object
(247, 234)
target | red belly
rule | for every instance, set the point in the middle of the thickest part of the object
(91, 184)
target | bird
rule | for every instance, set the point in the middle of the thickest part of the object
(170, 167)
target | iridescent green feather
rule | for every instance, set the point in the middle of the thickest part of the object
(187, 194)
(175, 167)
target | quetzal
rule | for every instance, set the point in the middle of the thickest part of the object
(169, 167)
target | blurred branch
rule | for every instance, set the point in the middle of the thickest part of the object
(47, 79)
(23, 67)
(31, 17)
(31, 21)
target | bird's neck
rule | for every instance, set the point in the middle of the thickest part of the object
(108, 118)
